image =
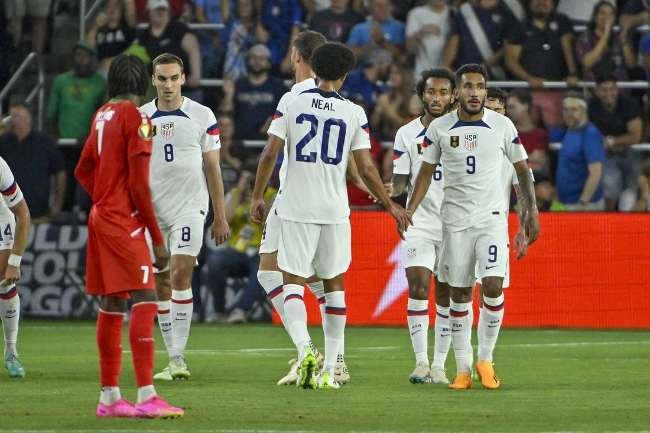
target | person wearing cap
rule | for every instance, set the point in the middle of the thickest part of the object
(252, 98)
(580, 160)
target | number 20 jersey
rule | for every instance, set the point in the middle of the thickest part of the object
(320, 129)
(178, 186)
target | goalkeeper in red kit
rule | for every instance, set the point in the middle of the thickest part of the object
(114, 170)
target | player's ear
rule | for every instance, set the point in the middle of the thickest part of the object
(153, 80)
(182, 78)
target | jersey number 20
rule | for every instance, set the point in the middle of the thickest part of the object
(324, 148)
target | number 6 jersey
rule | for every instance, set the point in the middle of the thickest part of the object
(320, 129)
(181, 137)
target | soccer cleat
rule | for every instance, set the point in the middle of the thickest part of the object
(439, 375)
(462, 381)
(14, 367)
(420, 374)
(341, 373)
(165, 374)
(325, 381)
(489, 379)
(320, 359)
(178, 368)
(308, 368)
(292, 376)
(156, 407)
(120, 409)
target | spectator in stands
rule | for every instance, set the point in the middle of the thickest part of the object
(581, 158)
(540, 50)
(335, 22)
(167, 35)
(580, 12)
(282, 19)
(244, 31)
(535, 139)
(112, 32)
(545, 194)
(143, 9)
(213, 46)
(231, 152)
(38, 12)
(601, 49)
(362, 86)
(496, 100)
(479, 33)
(634, 13)
(253, 98)
(379, 32)
(643, 199)
(427, 31)
(36, 162)
(644, 53)
(392, 108)
(618, 117)
(213, 11)
(8, 52)
(239, 257)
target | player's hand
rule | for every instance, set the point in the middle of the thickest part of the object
(12, 275)
(521, 244)
(531, 226)
(258, 210)
(162, 256)
(401, 217)
(220, 231)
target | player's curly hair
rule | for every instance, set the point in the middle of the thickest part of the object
(332, 60)
(470, 68)
(127, 75)
(442, 73)
(306, 43)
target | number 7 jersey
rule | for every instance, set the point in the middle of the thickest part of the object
(320, 129)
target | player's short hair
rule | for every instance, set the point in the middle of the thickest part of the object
(306, 43)
(332, 60)
(167, 59)
(127, 75)
(523, 95)
(470, 68)
(442, 73)
(498, 94)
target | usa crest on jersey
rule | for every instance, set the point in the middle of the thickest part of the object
(167, 129)
(471, 141)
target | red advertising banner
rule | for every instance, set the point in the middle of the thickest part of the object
(587, 270)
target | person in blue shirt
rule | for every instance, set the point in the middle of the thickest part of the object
(580, 160)
(282, 19)
(379, 31)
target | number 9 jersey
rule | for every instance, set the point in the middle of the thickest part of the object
(320, 129)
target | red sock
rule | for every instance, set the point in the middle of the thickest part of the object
(109, 343)
(142, 342)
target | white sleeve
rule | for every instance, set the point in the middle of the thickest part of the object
(431, 145)
(210, 139)
(361, 134)
(11, 193)
(401, 156)
(279, 123)
(412, 24)
(513, 148)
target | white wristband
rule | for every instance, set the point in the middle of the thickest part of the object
(14, 260)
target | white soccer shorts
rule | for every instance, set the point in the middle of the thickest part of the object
(419, 251)
(184, 238)
(7, 227)
(271, 232)
(474, 253)
(321, 249)
(506, 279)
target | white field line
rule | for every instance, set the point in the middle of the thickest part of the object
(256, 431)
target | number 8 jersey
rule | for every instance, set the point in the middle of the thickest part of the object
(320, 129)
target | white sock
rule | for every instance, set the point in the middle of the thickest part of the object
(335, 317)
(146, 392)
(443, 337)
(165, 324)
(489, 324)
(295, 315)
(271, 281)
(10, 314)
(318, 289)
(461, 335)
(109, 395)
(417, 316)
(182, 308)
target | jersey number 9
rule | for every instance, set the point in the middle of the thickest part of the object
(324, 148)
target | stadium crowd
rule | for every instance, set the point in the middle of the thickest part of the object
(579, 146)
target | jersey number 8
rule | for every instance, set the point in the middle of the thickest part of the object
(169, 152)
(324, 148)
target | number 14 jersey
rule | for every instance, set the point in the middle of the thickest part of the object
(320, 129)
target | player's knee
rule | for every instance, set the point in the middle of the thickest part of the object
(181, 278)
(143, 296)
(442, 294)
(418, 290)
(492, 286)
(461, 295)
(113, 304)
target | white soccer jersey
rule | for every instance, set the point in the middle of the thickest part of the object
(10, 192)
(177, 181)
(472, 155)
(320, 128)
(407, 159)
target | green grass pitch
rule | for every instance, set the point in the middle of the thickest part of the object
(553, 381)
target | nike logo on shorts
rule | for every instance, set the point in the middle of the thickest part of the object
(490, 267)
(182, 246)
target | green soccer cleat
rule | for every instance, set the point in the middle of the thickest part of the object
(325, 381)
(308, 368)
(14, 367)
(178, 368)
(165, 374)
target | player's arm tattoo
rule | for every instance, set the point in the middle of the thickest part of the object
(399, 184)
(526, 186)
(521, 213)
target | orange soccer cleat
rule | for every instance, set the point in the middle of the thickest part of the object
(489, 379)
(461, 381)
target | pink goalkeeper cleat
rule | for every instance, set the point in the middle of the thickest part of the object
(120, 409)
(156, 407)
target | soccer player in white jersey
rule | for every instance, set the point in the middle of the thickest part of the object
(472, 143)
(184, 173)
(422, 245)
(320, 128)
(15, 222)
